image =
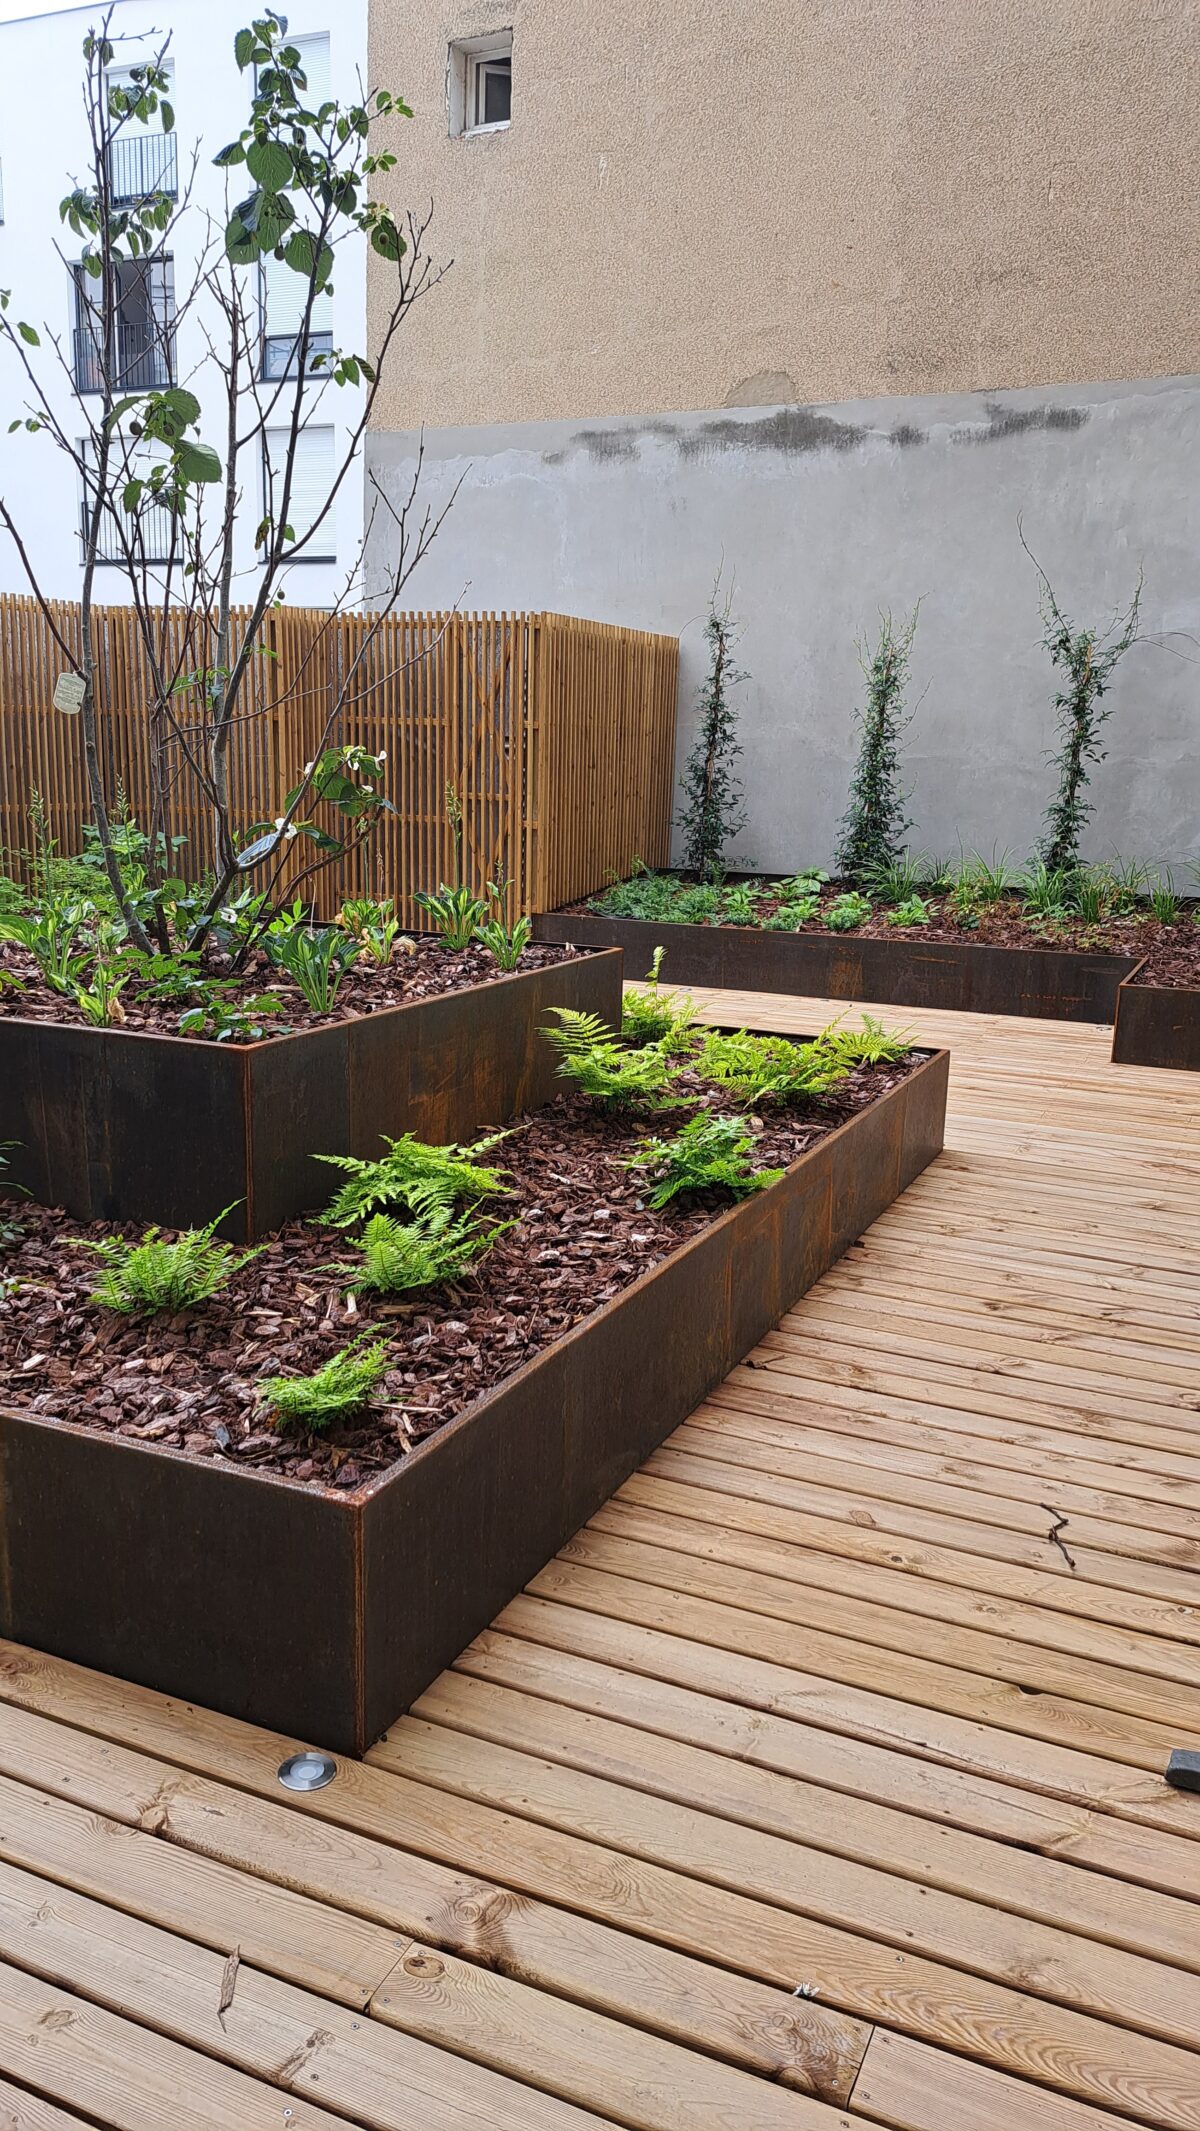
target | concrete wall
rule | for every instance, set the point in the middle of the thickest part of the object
(739, 202)
(824, 515)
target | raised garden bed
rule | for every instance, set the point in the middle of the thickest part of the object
(123, 1124)
(285, 1594)
(1157, 1025)
(967, 976)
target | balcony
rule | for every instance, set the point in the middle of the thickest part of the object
(157, 533)
(140, 165)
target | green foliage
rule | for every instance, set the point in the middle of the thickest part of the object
(699, 905)
(456, 914)
(986, 880)
(333, 1393)
(713, 811)
(1164, 902)
(600, 1066)
(914, 910)
(898, 879)
(51, 931)
(874, 824)
(316, 958)
(408, 1175)
(154, 1276)
(1086, 659)
(1045, 891)
(644, 895)
(789, 917)
(739, 904)
(846, 912)
(709, 1153)
(1128, 881)
(225, 1020)
(770, 1068)
(655, 1016)
(868, 1045)
(373, 926)
(434, 1246)
(505, 943)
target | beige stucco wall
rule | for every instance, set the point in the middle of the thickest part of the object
(710, 202)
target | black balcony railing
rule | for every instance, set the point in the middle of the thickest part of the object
(281, 353)
(141, 358)
(147, 540)
(140, 165)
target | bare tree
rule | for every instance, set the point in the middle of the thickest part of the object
(134, 438)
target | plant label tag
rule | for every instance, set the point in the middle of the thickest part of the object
(69, 692)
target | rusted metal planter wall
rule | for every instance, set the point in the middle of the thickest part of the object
(1157, 1025)
(963, 976)
(325, 1615)
(115, 1125)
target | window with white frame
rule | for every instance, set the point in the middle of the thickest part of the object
(480, 83)
(142, 158)
(285, 344)
(312, 478)
(151, 533)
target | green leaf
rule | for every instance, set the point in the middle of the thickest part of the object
(168, 116)
(243, 49)
(302, 256)
(27, 334)
(184, 405)
(242, 243)
(234, 153)
(385, 239)
(14, 425)
(270, 165)
(131, 493)
(197, 462)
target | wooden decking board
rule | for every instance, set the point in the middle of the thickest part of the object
(814, 1701)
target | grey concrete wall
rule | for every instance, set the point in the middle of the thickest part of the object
(823, 516)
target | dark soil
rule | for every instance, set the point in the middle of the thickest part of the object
(1172, 952)
(188, 1382)
(422, 973)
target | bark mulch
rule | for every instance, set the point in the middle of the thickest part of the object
(188, 1382)
(426, 971)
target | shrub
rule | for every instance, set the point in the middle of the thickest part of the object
(848, 911)
(407, 1174)
(600, 1066)
(708, 1153)
(713, 812)
(1087, 660)
(154, 1276)
(341, 1388)
(874, 824)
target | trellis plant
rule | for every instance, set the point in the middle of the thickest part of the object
(714, 811)
(301, 185)
(875, 822)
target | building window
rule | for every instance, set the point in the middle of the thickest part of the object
(140, 355)
(285, 347)
(141, 160)
(150, 536)
(312, 478)
(480, 83)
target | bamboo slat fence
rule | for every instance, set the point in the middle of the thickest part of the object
(557, 734)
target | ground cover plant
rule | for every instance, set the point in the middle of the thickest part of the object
(455, 1265)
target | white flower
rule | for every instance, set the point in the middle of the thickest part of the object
(279, 821)
(382, 755)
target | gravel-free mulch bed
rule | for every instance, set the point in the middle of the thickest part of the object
(188, 1381)
(423, 970)
(1172, 952)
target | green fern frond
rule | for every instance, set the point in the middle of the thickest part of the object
(155, 1276)
(341, 1388)
(409, 1167)
(708, 1153)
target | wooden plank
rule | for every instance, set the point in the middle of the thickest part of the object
(22, 2111)
(808, 2047)
(913, 2088)
(297, 2043)
(677, 1699)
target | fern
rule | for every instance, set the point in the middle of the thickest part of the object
(399, 1177)
(762, 1068)
(436, 1245)
(869, 1045)
(342, 1387)
(155, 1276)
(708, 1153)
(591, 1056)
(655, 1016)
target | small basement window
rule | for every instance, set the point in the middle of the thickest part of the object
(480, 83)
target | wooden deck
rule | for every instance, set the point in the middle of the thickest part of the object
(817, 1783)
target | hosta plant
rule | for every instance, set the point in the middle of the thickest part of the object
(709, 1153)
(847, 912)
(316, 958)
(405, 1176)
(156, 1276)
(914, 910)
(600, 1066)
(340, 1389)
(455, 913)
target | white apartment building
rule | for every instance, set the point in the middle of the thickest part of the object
(44, 153)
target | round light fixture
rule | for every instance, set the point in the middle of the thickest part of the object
(307, 1772)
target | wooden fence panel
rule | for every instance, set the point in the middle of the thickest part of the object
(556, 733)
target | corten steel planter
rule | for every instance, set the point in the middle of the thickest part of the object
(116, 1125)
(324, 1615)
(1157, 1025)
(1049, 983)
